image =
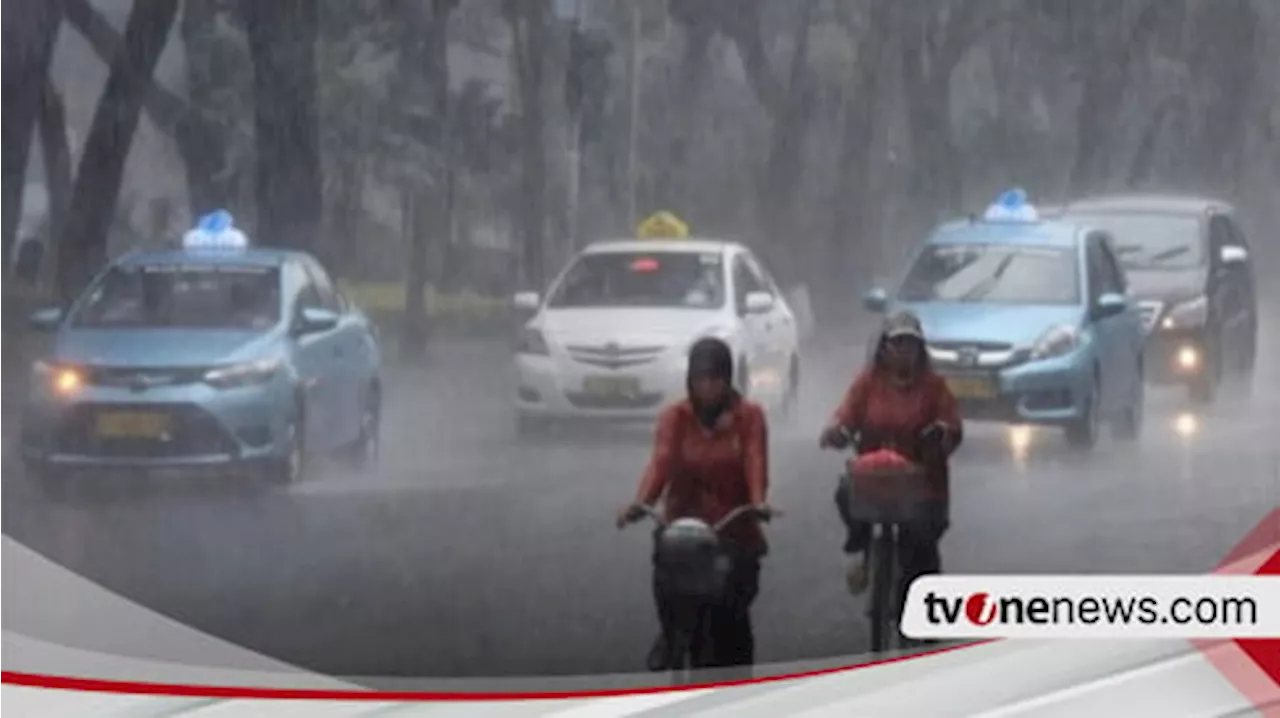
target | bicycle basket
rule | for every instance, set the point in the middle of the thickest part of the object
(690, 561)
(886, 488)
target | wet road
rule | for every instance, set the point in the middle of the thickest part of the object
(471, 554)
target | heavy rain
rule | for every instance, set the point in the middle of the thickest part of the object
(445, 160)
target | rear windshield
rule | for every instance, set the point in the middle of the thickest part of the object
(1152, 240)
(690, 280)
(993, 274)
(206, 297)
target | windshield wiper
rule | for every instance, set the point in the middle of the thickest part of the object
(1128, 248)
(984, 287)
(1169, 254)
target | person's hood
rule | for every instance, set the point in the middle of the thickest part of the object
(1172, 285)
(628, 326)
(159, 347)
(1018, 325)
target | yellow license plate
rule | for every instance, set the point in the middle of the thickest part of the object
(971, 387)
(132, 425)
(611, 385)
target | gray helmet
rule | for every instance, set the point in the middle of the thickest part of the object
(902, 324)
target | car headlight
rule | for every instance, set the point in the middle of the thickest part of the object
(61, 379)
(244, 374)
(1192, 313)
(1059, 340)
(533, 342)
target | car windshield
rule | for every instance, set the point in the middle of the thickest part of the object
(993, 274)
(689, 280)
(170, 296)
(1151, 241)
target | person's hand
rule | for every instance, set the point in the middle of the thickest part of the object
(833, 437)
(936, 435)
(629, 514)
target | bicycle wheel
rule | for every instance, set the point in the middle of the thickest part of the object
(883, 579)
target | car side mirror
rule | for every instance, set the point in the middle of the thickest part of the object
(1110, 305)
(1233, 254)
(876, 300)
(759, 302)
(314, 320)
(46, 319)
(528, 301)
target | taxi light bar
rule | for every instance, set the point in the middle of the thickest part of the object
(215, 230)
(1011, 206)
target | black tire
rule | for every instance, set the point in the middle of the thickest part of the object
(292, 468)
(1128, 425)
(363, 452)
(1082, 434)
(883, 579)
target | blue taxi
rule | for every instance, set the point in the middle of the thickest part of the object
(1030, 321)
(214, 355)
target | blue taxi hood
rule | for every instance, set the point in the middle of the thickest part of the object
(159, 347)
(1019, 325)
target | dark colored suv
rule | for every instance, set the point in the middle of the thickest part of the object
(1189, 269)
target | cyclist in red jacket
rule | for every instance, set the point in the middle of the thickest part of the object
(900, 403)
(711, 454)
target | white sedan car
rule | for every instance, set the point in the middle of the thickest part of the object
(612, 337)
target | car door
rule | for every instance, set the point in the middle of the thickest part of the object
(350, 355)
(315, 359)
(1226, 285)
(755, 333)
(1128, 335)
(781, 324)
(1107, 331)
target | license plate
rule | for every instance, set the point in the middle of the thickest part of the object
(972, 387)
(611, 385)
(132, 425)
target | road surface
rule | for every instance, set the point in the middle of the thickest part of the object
(469, 554)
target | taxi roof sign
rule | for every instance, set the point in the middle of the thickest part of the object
(1012, 206)
(662, 225)
(215, 230)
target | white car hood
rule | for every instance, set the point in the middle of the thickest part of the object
(628, 326)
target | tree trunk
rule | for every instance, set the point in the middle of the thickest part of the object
(282, 37)
(210, 183)
(528, 21)
(855, 223)
(83, 245)
(29, 35)
(57, 168)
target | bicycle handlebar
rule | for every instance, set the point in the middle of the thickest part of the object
(720, 525)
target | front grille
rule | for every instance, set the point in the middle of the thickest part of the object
(636, 401)
(142, 378)
(614, 356)
(978, 346)
(1149, 311)
(193, 432)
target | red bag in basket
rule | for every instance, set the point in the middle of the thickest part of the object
(883, 473)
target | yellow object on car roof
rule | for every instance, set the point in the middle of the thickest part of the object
(662, 225)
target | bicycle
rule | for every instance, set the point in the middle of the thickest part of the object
(887, 500)
(694, 565)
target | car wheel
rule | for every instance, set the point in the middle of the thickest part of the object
(790, 404)
(1128, 426)
(1083, 432)
(363, 452)
(291, 468)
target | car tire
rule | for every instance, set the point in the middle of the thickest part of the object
(292, 468)
(1082, 434)
(363, 452)
(1128, 426)
(789, 407)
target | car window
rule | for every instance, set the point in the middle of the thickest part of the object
(326, 293)
(765, 280)
(668, 279)
(745, 281)
(183, 296)
(1151, 240)
(1106, 276)
(305, 295)
(993, 273)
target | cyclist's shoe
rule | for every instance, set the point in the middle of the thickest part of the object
(858, 576)
(659, 658)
